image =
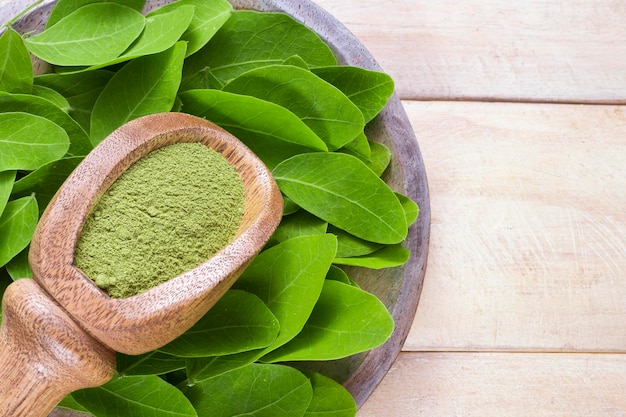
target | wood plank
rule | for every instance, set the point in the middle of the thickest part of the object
(501, 384)
(535, 50)
(528, 236)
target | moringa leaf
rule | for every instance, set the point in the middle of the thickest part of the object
(44, 182)
(200, 369)
(369, 90)
(63, 8)
(346, 320)
(289, 207)
(17, 225)
(299, 224)
(68, 402)
(143, 86)
(387, 257)
(330, 399)
(359, 147)
(151, 363)
(350, 246)
(161, 32)
(7, 178)
(93, 34)
(251, 39)
(138, 396)
(288, 278)
(320, 105)
(81, 91)
(238, 322)
(18, 267)
(255, 390)
(411, 209)
(296, 61)
(208, 18)
(52, 96)
(16, 69)
(270, 131)
(28, 141)
(380, 158)
(27, 103)
(335, 273)
(340, 189)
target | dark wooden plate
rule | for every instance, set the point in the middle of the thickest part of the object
(399, 288)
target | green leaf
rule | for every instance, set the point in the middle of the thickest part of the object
(346, 320)
(161, 32)
(369, 90)
(16, 69)
(296, 61)
(52, 96)
(320, 105)
(411, 209)
(238, 322)
(18, 267)
(208, 18)
(135, 396)
(17, 225)
(337, 274)
(379, 159)
(330, 399)
(151, 363)
(251, 39)
(299, 224)
(70, 403)
(93, 34)
(340, 189)
(359, 147)
(387, 257)
(63, 8)
(288, 277)
(28, 141)
(26, 103)
(81, 90)
(272, 132)
(349, 245)
(289, 207)
(144, 86)
(255, 390)
(200, 369)
(44, 182)
(7, 178)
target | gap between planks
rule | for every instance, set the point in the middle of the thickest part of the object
(533, 51)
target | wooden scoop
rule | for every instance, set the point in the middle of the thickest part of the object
(59, 331)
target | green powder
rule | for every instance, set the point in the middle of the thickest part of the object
(168, 213)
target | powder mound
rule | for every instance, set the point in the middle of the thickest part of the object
(169, 212)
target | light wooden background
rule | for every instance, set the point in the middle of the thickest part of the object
(519, 111)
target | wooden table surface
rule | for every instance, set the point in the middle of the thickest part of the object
(519, 109)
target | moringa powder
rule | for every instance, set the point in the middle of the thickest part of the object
(169, 212)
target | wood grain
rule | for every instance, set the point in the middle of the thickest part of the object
(44, 354)
(536, 50)
(528, 241)
(438, 384)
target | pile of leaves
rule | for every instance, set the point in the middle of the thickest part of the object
(275, 85)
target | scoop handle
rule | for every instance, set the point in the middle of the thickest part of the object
(44, 354)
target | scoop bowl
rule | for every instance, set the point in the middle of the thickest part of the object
(75, 324)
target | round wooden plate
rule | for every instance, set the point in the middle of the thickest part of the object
(399, 288)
